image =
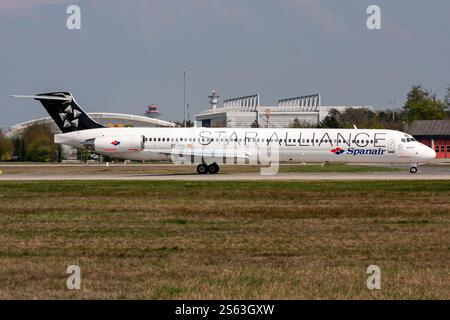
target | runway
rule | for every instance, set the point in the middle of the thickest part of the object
(138, 173)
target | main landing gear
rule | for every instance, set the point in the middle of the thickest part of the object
(413, 168)
(205, 169)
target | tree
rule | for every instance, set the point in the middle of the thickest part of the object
(189, 123)
(332, 120)
(38, 144)
(19, 149)
(255, 124)
(422, 104)
(5, 148)
(447, 98)
(295, 124)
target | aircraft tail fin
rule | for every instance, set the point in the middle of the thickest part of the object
(64, 110)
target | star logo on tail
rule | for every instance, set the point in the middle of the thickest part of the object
(70, 117)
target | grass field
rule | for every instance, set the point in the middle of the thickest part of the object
(225, 240)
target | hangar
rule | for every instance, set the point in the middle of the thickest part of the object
(107, 119)
(433, 133)
(245, 112)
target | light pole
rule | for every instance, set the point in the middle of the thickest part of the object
(393, 104)
(184, 97)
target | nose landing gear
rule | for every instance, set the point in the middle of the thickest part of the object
(205, 169)
(413, 168)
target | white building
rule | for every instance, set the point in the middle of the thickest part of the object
(244, 112)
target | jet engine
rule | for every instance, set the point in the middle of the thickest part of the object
(115, 144)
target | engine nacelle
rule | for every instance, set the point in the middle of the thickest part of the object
(115, 145)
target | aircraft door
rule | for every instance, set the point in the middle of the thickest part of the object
(391, 146)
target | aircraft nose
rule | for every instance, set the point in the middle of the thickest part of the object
(432, 153)
(429, 153)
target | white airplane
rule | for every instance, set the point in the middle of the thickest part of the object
(209, 146)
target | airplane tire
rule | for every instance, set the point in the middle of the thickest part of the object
(413, 170)
(214, 168)
(202, 169)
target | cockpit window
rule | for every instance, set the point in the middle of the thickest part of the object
(408, 138)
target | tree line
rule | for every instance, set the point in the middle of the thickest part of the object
(35, 144)
(421, 104)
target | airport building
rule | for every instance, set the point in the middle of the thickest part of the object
(245, 112)
(107, 119)
(433, 133)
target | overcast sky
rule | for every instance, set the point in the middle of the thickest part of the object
(129, 54)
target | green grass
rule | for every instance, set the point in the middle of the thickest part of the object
(338, 168)
(225, 240)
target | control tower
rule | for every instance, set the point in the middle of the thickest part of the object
(214, 100)
(153, 111)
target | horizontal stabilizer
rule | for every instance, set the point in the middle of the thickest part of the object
(44, 97)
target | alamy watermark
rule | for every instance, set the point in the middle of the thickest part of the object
(74, 280)
(374, 20)
(374, 279)
(73, 21)
(248, 152)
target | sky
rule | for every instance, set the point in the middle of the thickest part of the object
(129, 54)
